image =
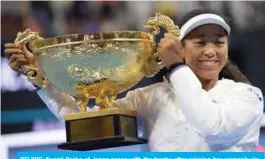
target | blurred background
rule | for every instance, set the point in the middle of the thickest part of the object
(25, 117)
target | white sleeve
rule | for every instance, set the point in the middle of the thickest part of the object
(136, 99)
(233, 116)
(58, 102)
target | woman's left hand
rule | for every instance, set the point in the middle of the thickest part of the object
(170, 50)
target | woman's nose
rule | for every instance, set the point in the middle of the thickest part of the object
(210, 50)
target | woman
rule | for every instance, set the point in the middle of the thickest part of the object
(194, 109)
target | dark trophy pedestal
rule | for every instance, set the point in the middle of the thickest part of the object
(102, 129)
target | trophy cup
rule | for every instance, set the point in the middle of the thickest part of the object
(97, 65)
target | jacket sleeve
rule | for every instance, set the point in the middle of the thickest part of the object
(136, 99)
(58, 102)
(232, 116)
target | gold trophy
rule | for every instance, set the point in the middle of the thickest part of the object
(98, 65)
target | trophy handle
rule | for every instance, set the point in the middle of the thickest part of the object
(32, 72)
(155, 23)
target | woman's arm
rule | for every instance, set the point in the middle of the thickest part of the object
(233, 116)
(61, 103)
(58, 102)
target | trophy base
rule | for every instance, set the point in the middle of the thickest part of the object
(101, 143)
(101, 129)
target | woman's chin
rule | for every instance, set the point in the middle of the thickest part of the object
(208, 75)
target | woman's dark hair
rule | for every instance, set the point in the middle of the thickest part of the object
(230, 70)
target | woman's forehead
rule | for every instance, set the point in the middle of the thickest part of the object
(207, 30)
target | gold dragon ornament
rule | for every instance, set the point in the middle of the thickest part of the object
(153, 66)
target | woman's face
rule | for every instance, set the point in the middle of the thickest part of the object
(206, 51)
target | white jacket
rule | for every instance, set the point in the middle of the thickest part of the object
(181, 116)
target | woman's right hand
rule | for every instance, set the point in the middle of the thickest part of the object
(18, 56)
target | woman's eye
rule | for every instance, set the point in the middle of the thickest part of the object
(199, 42)
(219, 42)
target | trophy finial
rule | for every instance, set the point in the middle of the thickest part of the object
(163, 21)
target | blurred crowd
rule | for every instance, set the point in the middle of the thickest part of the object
(51, 18)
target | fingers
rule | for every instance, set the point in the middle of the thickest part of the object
(11, 51)
(162, 41)
(169, 40)
(12, 45)
(172, 37)
(11, 48)
(168, 43)
(169, 35)
(170, 49)
(16, 65)
(14, 57)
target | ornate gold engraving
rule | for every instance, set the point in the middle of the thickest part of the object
(162, 21)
